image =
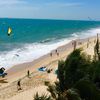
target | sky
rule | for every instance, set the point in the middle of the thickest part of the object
(50, 9)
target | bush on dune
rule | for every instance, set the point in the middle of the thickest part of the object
(43, 97)
(87, 90)
(75, 67)
(79, 79)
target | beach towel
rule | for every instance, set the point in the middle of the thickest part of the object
(42, 69)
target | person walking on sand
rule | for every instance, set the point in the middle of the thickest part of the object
(74, 43)
(19, 85)
(28, 74)
(57, 52)
(88, 43)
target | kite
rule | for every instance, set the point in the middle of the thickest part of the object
(9, 31)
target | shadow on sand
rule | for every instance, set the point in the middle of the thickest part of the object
(3, 81)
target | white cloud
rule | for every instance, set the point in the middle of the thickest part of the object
(26, 9)
(8, 3)
(11, 2)
(56, 4)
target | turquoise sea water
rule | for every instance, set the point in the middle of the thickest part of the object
(34, 37)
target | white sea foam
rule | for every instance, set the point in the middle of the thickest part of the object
(30, 52)
(75, 35)
(27, 53)
(89, 33)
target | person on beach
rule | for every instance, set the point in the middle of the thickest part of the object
(51, 54)
(57, 52)
(74, 44)
(88, 43)
(19, 85)
(49, 70)
(28, 74)
(80, 43)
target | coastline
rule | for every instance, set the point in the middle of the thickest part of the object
(20, 71)
(63, 50)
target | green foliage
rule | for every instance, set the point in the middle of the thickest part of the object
(96, 74)
(47, 83)
(72, 94)
(79, 79)
(97, 68)
(53, 91)
(87, 90)
(97, 49)
(43, 97)
(61, 74)
(76, 67)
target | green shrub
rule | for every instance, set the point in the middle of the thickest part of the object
(75, 68)
(43, 97)
(87, 90)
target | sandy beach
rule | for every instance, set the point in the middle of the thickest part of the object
(8, 85)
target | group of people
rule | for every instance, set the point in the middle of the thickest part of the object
(19, 81)
(56, 51)
(42, 68)
(49, 70)
(74, 44)
(19, 87)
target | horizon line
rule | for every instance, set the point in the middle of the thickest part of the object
(47, 19)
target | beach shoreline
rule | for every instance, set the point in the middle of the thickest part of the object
(51, 62)
(61, 49)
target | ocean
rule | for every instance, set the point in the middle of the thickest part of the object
(33, 38)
